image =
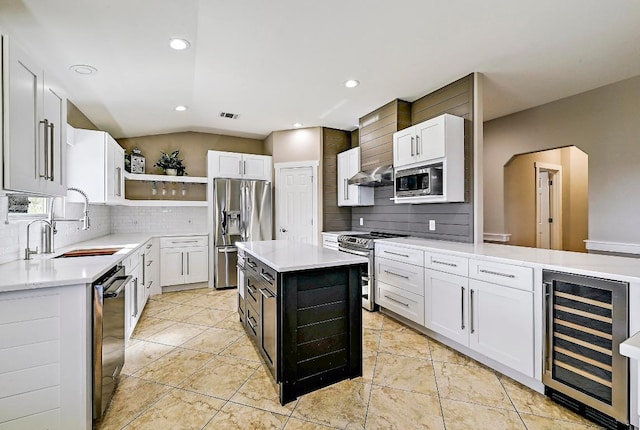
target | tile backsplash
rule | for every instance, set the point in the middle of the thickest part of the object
(13, 231)
(144, 219)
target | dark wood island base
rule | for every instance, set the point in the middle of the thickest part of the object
(306, 324)
(321, 329)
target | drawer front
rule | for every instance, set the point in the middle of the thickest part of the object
(503, 274)
(251, 292)
(409, 305)
(401, 275)
(182, 241)
(269, 276)
(405, 255)
(331, 244)
(447, 263)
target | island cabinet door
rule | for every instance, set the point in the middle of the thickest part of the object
(321, 329)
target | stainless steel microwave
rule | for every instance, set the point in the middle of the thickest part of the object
(419, 181)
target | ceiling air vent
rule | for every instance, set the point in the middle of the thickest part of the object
(229, 115)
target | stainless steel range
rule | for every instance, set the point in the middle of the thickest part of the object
(362, 244)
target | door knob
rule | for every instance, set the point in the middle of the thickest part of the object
(284, 230)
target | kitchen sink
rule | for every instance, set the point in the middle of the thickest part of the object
(93, 252)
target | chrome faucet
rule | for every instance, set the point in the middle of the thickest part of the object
(51, 221)
(27, 251)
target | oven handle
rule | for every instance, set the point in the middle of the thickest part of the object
(353, 251)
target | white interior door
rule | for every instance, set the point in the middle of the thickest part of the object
(295, 210)
(548, 206)
(544, 210)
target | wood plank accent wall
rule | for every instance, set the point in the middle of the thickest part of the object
(454, 221)
(376, 133)
(334, 218)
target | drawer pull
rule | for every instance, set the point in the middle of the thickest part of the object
(184, 241)
(489, 272)
(252, 324)
(149, 263)
(149, 245)
(398, 301)
(444, 263)
(396, 253)
(396, 274)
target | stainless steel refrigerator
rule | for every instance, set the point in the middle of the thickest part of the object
(241, 213)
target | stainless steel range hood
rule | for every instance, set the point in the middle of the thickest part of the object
(378, 177)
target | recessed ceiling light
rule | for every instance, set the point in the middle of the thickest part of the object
(179, 44)
(351, 83)
(298, 124)
(84, 69)
(181, 108)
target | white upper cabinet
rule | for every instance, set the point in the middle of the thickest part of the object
(96, 166)
(429, 142)
(351, 195)
(35, 121)
(222, 164)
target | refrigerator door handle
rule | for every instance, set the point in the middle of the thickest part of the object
(223, 223)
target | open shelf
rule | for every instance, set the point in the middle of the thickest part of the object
(165, 178)
(161, 203)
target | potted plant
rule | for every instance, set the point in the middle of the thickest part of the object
(171, 164)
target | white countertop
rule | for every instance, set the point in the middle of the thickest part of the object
(625, 269)
(631, 347)
(338, 233)
(288, 256)
(45, 271)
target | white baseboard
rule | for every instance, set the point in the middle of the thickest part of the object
(621, 247)
(497, 237)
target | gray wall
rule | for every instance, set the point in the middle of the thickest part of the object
(453, 221)
(604, 123)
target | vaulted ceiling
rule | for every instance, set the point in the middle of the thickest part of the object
(284, 61)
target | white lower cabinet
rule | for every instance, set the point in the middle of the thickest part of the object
(502, 324)
(184, 260)
(494, 320)
(400, 301)
(445, 305)
(400, 286)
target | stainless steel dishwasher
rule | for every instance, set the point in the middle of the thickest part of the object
(108, 336)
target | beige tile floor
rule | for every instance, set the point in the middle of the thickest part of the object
(189, 365)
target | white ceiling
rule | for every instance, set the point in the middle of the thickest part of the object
(284, 61)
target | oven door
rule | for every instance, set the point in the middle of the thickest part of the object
(368, 285)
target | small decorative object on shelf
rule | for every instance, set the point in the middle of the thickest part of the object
(137, 161)
(171, 164)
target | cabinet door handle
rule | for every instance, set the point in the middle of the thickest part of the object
(346, 188)
(188, 253)
(490, 272)
(119, 181)
(51, 150)
(244, 167)
(398, 301)
(182, 266)
(135, 297)
(444, 263)
(396, 274)
(239, 167)
(46, 148)
(412, 151)
(417, 145)
(396, 253)
(461, 308)
(471, 310)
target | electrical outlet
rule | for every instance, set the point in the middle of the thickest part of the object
(432, 224)
(361, 221)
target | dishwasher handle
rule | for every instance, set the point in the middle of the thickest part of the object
(116, 288)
